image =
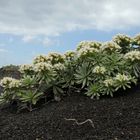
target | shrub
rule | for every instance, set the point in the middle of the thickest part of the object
(96, 68)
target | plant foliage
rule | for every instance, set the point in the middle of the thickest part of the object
(96, 68)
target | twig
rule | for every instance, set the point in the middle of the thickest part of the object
(81, 123)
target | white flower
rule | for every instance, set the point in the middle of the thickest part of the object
(122, 77)
(120, 38)
(53, 54)
(99, 70)
(132, 55)
(86, 50)
(42, 66)
(10, 82)
(69, 54)
(40, 58)
(110, 46)
(54, 58)
(59, 66)
(15, 84)
(91, 44)
(25, 67)
(136, 39)
(108, 82)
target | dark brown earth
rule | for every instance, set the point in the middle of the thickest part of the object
(9, 71)
(115, 118)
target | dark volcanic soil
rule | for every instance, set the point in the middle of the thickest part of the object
(115, 118)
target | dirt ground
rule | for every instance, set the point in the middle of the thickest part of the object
(115, 118)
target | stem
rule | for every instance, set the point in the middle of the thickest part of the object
(81, 123)
(30, 107)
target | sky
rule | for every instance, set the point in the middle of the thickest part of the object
(32, 27)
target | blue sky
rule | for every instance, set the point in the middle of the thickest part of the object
(52, 26)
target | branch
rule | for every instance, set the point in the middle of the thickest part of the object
(81, 123)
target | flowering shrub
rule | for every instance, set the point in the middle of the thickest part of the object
(95, 68)
(133, 59)
(10, 86)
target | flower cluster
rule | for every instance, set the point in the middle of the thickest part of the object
(137, 40)
(9, 82)
(99, 70)
(50, 58)
(86, 50)
(111, 46)
(91, 44)
(54, 58)
(122, 77)
(69, 55)
(121, 39)
(40, 58)
(42, 66)
(26, 67)
(132, 56)
(108, 82)
(59, 66)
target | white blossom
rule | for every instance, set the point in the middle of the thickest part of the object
(132, 55)
(10, 82)
(86, 50)
(40, 58)
(136, 39)
(25, 67)
(59, 66)
(42, 66)
(120, 38)
(99, 70)
(69, 54)
(110, 46)
(91, 44)
(108, 82)
(122, 77)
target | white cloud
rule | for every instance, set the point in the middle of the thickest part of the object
(47, 42)
(53, 17)
(28, 38)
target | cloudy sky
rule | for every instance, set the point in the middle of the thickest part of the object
(32, 27)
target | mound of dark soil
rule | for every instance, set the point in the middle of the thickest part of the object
(115, 118)
(9, 71)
